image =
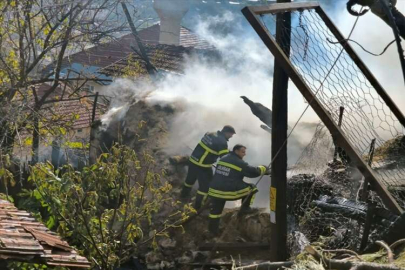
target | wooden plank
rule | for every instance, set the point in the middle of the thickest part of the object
(360, 64)
(282, 7)
(266, 266)
(313, 101)
(247, 265)
(51, 240)
(233, 246)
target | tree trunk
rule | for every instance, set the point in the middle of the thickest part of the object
(7, 136)
(35, 142)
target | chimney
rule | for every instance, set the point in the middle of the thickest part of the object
(170, 12)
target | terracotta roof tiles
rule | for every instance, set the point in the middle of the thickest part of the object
(104, 55)
(22, 238)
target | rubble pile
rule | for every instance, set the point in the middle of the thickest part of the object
(323, 206)
(344, 179)
(326, 211)
(391, 150)
(145, 128)
(303, 189)
(331, 229)
(181, 250)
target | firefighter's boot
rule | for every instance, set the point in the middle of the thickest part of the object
(185, 193)
(213, 226)
(200, 200)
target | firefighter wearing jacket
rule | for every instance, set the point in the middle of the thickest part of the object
(228, 184)
(205, 154)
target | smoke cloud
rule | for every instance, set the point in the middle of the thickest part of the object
(207, 95)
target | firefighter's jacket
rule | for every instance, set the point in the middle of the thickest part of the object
(228, 178)
(207, 151)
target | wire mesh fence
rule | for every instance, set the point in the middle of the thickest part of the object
(324, 196)
(324, 174)
(337, 82)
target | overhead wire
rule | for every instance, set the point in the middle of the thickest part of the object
(361, 46)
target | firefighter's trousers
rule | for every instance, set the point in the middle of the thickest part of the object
(218, 204)
(204, 177)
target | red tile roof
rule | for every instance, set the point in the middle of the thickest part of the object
(187, 38)
(109, 53)
(63, 112)
(22, 238)
(163, 57)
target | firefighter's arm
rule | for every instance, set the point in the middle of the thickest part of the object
(252, 172)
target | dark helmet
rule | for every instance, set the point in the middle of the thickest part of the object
(229, 129)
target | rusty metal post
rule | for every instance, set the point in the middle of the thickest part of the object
(341, 110)
(93, 149)
(278, 189)
(364, 192)
(367, 226)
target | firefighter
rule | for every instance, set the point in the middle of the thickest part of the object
(228, 184)
(205, 154)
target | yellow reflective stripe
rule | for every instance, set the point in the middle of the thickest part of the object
(208, 149)
(199, 164)
(253, 198)
(201, 193)
(203, 157)
(187, 185)
(229, 165)
(229, 197)
(214, 216)
(223, 152)
(262, 169)
(205, 199)
(230, 192)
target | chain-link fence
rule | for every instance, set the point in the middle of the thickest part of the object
(325, 188)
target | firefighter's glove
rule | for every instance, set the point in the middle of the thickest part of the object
(268, 171)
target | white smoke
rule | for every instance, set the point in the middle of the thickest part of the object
(212, 92)
(210, 96)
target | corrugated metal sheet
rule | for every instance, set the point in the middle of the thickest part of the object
(23, 238)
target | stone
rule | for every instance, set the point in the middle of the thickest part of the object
(186, 258)
(153, 257)
(155, 266)
(167, 243)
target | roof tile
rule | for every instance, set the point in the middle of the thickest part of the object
(32, 241)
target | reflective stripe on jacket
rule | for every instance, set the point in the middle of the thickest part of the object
(207, 151)
(228, 178)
